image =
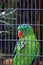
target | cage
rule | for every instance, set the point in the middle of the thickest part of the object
(12, 14)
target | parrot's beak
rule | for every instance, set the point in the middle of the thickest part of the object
(20, 34)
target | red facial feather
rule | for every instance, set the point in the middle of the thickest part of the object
(20, 33)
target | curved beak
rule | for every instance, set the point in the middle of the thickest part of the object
(20, 33)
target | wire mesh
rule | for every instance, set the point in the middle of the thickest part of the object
(12, 14)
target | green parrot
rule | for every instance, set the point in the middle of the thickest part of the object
(27, 47)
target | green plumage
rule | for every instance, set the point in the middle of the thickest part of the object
(27, 47)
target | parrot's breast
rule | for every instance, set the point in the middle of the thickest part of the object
(20, 45)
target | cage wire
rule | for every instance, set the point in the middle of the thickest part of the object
(12, 14)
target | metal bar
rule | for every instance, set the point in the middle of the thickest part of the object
(8, 55)
(23, 9)
(17, 40)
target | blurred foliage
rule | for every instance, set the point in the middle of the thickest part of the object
(8, 16)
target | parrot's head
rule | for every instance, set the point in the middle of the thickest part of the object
(23, 30)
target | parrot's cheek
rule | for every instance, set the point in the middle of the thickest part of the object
(20, 34)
